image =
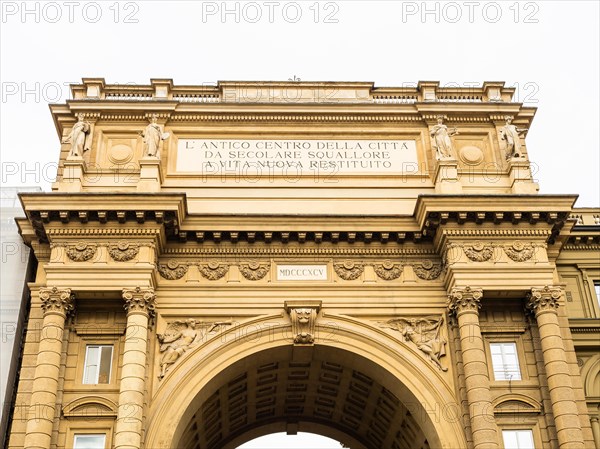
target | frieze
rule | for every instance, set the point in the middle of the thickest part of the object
(213, 270)
(424, 333)
(172, 270)
(388, 270)
(517, 251)
(123, 251)
(254, 270)
(349, 269)
(180, 336)
(81, 251)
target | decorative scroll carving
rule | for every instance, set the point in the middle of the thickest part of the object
(348, 270)
(543, 299)
(304, 318)
(479, 252)
(123, 251)
(173, 270)
(81, 251)
(55, 300)
(254, 270)
(387, 270)
(427, 270)
(139, 300)
(519, 251)
(424, 332)
(213, 270)
(462, 299)
(180, 336)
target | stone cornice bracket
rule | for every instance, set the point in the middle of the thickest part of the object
(59, 301)
(464, 299)
(304, 317)
(140, 301)
(541, 300)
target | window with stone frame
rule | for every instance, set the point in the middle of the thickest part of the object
(518, 439)
(98, 364)
(89, 441)
(505, 361)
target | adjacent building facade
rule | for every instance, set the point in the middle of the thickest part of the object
(216, 263)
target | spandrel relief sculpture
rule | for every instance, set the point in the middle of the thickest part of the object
(80, 137)
(181, 336)
(152, 135)
(511, 135)
(440, 140)
(424, 332)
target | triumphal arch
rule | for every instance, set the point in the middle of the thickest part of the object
(376, 265)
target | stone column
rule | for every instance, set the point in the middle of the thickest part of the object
(56, 304)
(139, 304)
(465, 303)
(543, 303)
(595, 430)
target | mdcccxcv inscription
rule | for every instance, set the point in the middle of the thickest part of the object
(295, 158)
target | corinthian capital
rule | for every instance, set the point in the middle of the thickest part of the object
(57, 300)
(464, 299)
(139, 300)
(543, 299)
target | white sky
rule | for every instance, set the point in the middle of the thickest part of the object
(549, 49)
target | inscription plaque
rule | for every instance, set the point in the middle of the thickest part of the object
(295, 158)
(301, 272)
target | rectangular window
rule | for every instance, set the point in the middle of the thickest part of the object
(518, 439)
(505, 361)
(597, 289)
(91, 441)
(98, 361)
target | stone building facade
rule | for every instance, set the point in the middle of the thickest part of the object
(375, 265)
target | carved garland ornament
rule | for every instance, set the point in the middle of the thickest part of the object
(428, 270)
(123, 251)
(254, 270)
(479, 252)
(213, 270)
(387, 270)
(519, 251)
(81, 251)
(424, 333)
(173, 270)
(348, 270)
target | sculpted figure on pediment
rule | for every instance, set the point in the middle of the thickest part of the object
(512, 136)
(440, 140)
(80, 137)
(152, 135)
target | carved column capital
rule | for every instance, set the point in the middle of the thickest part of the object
(304, 317)
(139, 300)
(56, 300)
(544, 299)
(464, 299)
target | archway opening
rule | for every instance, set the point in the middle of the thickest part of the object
(320, 389)
(302, 440)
